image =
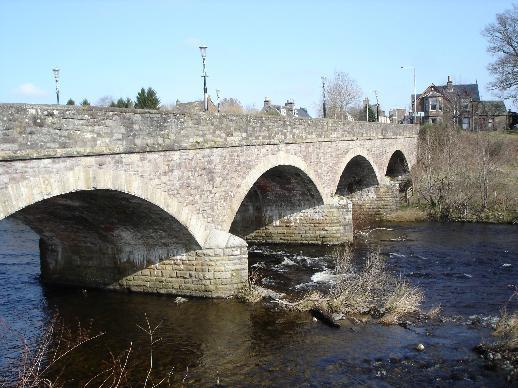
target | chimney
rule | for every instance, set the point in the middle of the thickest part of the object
(449, 84)
(290, 106)
(267, 102)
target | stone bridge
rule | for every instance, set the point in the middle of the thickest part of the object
(156, 201)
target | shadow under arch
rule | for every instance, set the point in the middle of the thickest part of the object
(357, 175)
(96, 238)
(397, 165)
(278, 198)
(21, 194)
(266, 164)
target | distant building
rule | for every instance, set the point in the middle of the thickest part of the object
(397, 115)
(287, 110)
(194, 106)
(461, 105)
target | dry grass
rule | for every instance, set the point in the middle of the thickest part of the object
(408, 214)
(368, 290)
(251, 292)
(42, 365)
(45, 363)
(507, 330)
(507, 327)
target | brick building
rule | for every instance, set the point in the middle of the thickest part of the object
(461, 105)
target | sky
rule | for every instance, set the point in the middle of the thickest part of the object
(278, 49)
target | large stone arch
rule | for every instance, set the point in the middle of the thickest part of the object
(105, 229)
(266, 164)
(21, 194)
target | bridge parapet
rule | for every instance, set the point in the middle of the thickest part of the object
(47, 131)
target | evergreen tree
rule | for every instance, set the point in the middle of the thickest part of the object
(85, 102)
(147, 99)
(372, 114)
(71, 102)
(124, 103)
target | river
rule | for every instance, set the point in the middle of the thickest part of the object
(470, 270)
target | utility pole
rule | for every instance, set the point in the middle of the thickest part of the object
(324, 96)
(367, 109)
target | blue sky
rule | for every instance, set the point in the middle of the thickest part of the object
(255, 49)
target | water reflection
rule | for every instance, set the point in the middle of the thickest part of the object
(258, 345)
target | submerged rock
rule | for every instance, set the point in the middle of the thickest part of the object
(324, 317)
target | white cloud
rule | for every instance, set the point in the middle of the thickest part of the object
(30, 90)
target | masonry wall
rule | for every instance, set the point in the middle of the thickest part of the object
(372, 204)
(325, 224)
(36, 131)
(205, 272)
(197, 168)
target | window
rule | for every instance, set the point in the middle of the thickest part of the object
(433, 103)
(490, 123)
(465, 104)
(465, 123)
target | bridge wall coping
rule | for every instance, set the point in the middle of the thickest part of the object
(49, 131)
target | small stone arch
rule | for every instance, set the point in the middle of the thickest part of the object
(19, 195)
(266, 164)
(356, 173)
(397, 165)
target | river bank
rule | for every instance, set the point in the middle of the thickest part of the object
(416, 214)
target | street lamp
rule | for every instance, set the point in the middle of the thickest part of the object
(56, 77)
(324, 96)
(203, 52)
(377, 106)
(415, 97)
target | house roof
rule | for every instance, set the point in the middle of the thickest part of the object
(303, 113)
(463, 91)
(491, 108)
(278, 109)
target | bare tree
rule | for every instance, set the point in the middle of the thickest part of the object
(341, 92)
(104, 101)
(502, 37)
(231, 105)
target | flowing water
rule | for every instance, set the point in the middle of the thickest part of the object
(470, 270)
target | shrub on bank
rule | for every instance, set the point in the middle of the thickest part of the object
(370, 289)
(466, 176)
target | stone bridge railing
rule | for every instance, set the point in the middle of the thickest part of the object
(48, 131)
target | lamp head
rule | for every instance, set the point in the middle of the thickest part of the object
(203, 51)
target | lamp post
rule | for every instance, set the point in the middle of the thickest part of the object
(217, 96)
(203, 52)
(56, 77)
(377, 106)
(324, 96)
(415, 97)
